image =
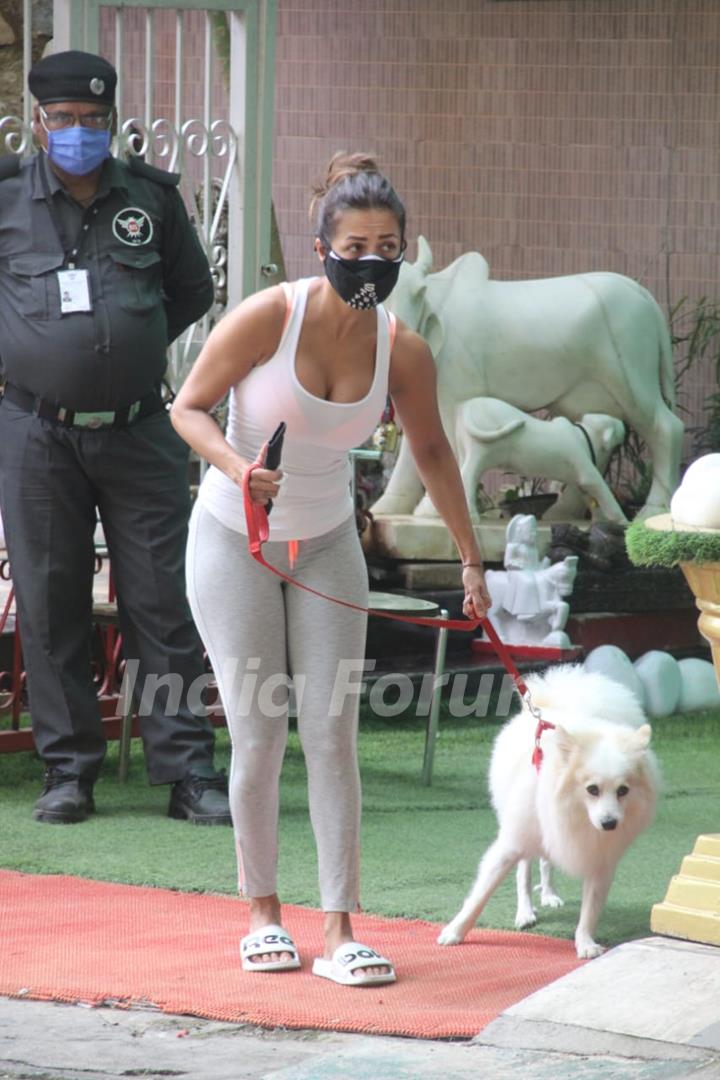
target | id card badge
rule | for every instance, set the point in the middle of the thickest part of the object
(74, 291)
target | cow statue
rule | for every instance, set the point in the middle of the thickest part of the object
(594, 342)
(491, 433)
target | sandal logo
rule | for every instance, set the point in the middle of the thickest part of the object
(267, 939)
(275, 939)
(361, 954)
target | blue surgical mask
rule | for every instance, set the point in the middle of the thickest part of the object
(78, 150)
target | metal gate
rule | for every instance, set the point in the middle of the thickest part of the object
(195, 94)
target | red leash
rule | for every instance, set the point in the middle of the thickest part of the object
(258, 532)
(504, 654)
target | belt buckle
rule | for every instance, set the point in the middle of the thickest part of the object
(93, 420)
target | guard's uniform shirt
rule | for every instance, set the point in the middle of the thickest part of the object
(148, 277)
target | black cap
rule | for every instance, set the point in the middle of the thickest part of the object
(73, 76)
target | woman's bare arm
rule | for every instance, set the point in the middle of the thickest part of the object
(247, 336)
(414, 393)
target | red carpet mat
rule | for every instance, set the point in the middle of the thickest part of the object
(67, 939)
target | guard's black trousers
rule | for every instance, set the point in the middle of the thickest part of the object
(53, 480)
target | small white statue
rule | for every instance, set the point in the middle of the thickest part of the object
(527, 606)
(491, 433)
(582, 343)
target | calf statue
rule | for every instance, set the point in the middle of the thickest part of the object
(585, 343)
(491, 433)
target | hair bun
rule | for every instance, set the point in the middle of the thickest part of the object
(341, 166)
(351, 182)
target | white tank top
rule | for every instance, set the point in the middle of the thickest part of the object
(315, 494)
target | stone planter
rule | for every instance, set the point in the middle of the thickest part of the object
(704, 580)
(691, 908)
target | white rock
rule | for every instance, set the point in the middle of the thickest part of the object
(662, 682)
(697, 500)
(611, 661)
(699, 688)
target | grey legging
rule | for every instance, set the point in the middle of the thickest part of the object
(258, 630)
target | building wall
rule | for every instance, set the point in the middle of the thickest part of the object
(554, 136)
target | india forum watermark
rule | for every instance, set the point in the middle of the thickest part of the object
(273, 695)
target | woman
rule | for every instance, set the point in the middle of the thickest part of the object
(318, 355)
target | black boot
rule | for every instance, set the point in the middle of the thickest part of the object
(66, 799)
(201, 797)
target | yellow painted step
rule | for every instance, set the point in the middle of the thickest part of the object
(693, 892)
(691, 909)
(708, 845)
(685, 923)
(701, 866)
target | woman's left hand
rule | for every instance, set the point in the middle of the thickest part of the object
(476, 602)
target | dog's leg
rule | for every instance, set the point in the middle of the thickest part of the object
(525, 915)
(496, 864)
(594, 895)
(548, 896)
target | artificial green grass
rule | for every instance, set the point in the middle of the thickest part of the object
(669, 547)
(420, 845)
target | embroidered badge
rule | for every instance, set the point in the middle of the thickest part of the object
(132, 226)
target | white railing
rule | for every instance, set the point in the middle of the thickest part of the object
(216, 148)
(203, 149)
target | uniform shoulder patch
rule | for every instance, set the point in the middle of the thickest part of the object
(161, 176)
(9, 166)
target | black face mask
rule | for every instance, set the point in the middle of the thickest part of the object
(362, 283)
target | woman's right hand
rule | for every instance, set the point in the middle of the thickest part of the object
(264, 483)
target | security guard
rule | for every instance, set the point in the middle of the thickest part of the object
(100, 269)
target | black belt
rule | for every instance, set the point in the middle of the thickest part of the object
(114, 418)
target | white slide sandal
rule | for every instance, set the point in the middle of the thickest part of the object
(269, 939)
(350, 958)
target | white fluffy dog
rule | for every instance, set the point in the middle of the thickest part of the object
(594, 793)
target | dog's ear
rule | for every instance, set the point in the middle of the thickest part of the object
(564, 741)
(641, 737)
